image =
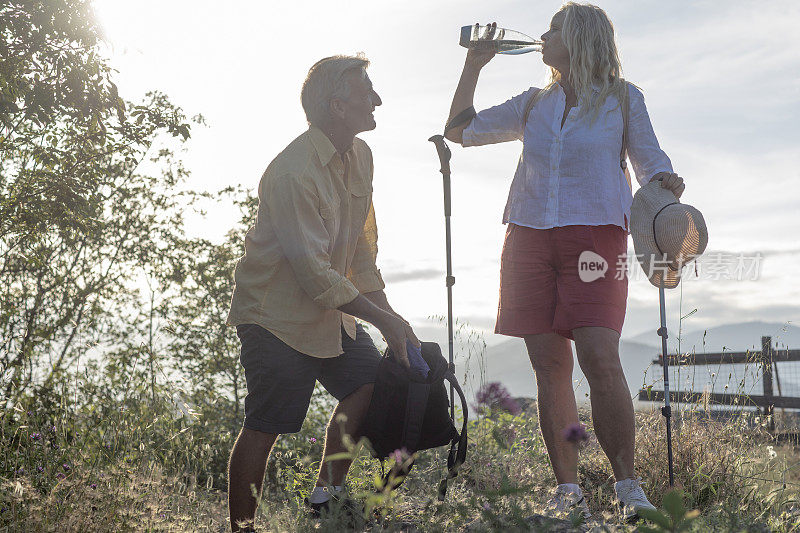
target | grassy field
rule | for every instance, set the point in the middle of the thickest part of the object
(131, 464)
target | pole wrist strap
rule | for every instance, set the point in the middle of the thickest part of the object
(465, 117)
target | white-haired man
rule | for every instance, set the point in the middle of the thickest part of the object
(308, 269)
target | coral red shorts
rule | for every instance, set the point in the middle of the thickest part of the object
(558, 279)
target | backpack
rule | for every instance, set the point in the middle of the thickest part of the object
(409, 412)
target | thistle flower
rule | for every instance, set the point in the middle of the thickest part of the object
(576, 433)
(495, 396)
(400, 455)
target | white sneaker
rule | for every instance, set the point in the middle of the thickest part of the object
(565, 501)
(631, 498)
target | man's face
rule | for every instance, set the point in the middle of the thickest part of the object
(357, 110)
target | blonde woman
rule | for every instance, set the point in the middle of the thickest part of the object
(570, 195)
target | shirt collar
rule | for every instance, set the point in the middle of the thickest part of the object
(595, 87)
(322, 144)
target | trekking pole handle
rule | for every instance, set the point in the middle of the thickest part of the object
(444, 160)
(444, 152)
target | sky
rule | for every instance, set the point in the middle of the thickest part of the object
(722, 87)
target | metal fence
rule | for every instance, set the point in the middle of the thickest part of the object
(762, 380)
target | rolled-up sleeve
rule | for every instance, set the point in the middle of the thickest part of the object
(293, 207)
(646, 155)
(500, 123)
(364, 273)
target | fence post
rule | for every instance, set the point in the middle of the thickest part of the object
(766, 361)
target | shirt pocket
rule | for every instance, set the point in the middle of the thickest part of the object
(330, 212)
(360, 195)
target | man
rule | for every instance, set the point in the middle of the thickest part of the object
(308, 269)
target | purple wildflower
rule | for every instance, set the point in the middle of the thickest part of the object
(66, 467)
(495, 396)
(576, 433)
(399, 455)
(40, 469)
(93, 485)
(60, 475)
(29, 413)
(20, 471)
(36, 436)
(312, 440)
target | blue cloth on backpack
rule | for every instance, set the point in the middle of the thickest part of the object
(416, 361)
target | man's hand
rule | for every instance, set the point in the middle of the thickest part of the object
(375, 309)
(671, 181)
(396, 332)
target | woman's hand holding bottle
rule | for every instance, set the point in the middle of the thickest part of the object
(478, 57)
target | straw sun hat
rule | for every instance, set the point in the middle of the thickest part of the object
(667, 235)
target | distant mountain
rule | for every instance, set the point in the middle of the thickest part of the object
(730, 337)
(508, 363)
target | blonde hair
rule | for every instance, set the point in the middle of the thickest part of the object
(588, 36)
(325, 81)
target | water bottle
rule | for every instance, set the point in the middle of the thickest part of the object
(502, 42)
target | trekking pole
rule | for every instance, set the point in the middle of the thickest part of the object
(444, 159)
(667, 409)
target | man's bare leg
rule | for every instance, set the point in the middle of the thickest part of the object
(551, 357)
(354, 408)
(245, 470)
(612, 407)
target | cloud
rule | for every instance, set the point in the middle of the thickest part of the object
(412, 275)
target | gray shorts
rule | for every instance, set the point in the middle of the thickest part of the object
(280, 380)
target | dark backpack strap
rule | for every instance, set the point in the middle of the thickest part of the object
(529, 106)
(625, 107)
(458, 447)
(416, 404)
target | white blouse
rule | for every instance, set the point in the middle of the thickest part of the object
(572, 175)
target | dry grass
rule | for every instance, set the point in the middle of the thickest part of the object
(159, 474)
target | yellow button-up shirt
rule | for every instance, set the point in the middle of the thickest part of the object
(313, 245)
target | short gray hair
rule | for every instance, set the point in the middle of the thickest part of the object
(325, 81)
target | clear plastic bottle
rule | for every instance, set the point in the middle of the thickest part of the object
(502, 42)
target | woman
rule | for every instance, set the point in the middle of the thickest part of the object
(570, 199)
